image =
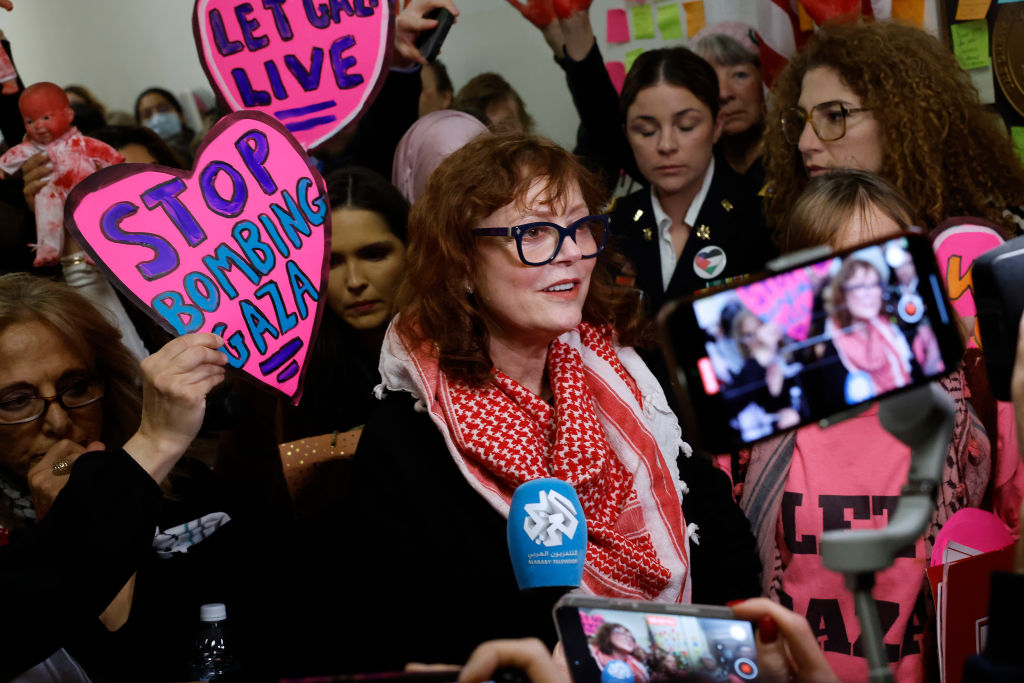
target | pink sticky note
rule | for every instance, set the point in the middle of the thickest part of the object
(313, 66)
(238, 246)
(617, 72)
(618, 26)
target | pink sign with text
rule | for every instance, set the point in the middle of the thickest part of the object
(238, 246)
(315, 65)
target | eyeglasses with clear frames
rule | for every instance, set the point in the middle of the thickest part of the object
(23, 408)
(539, 243)
(828, 121)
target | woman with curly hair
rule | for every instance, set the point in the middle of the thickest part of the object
(511, 360)
(889, 99)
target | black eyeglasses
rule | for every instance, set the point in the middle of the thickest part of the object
(22, 408)
(828, 121)
(539, 243)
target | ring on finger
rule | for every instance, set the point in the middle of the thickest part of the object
(62, 467)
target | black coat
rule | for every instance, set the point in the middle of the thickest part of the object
(730, 219)
(430, 576)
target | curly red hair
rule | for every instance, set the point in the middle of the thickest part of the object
(490, 172)
(942, 149)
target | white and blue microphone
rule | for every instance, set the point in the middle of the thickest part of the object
(547, 534)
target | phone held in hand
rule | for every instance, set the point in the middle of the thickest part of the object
(429, 42)
(998, 279)
(805, 343)
(625, 640)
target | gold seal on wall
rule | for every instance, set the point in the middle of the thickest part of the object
(1008, 53)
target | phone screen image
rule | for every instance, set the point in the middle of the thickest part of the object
(811, 342)
(653, 646)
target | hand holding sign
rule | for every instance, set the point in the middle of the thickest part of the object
(238, 247)
(314, 65)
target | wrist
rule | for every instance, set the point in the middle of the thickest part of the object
(154, 453)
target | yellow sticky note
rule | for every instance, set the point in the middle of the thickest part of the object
(972, 9)
(970, 43)
(806, 23)
(643, 21)
(631, 57)
(1017, 133)
(694, 17)
(668, 21)
(909, 12)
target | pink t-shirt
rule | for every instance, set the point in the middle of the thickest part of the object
(849, 477)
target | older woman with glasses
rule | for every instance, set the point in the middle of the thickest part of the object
(892, 100)
(67, 386)
(511, 360)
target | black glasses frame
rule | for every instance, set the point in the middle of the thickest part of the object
(517, 232)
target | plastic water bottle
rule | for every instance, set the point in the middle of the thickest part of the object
(212, 658)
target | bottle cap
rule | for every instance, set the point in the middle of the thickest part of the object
(214, 611)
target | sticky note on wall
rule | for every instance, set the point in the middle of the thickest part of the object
(971, 9)
(806, 23)
(668, 21)
(631, 57)
(617, 28)
(617, 72)
(1017, 133)
(643, 22)
(970, 43)
(909, 11)
(695, 20)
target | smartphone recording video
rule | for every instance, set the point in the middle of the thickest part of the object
(801, 345)
(640, 642)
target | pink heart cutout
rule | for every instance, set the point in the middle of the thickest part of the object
(314, 65)
(239, 246)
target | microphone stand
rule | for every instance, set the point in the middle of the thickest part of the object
(923, 419)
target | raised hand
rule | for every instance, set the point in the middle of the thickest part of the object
(566, 8)
(411, 23)
(540, 13)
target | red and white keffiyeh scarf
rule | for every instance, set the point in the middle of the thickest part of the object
(610, 435)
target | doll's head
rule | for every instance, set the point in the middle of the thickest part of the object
(46, 111)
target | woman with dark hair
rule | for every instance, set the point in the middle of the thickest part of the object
(139, 145)
(699, 223)
(160, 111)
(615, 642)
(510, 360)
(368, 232)
(890, 99)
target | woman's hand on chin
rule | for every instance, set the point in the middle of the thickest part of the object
(43, 483)
(175, 382)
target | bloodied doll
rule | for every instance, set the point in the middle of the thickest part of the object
(48, 116)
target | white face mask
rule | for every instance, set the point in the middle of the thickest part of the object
(166, 124)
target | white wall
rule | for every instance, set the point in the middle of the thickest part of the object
(117, 48)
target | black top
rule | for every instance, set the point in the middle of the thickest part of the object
(430, 559)
(729, 219)
(58, 576)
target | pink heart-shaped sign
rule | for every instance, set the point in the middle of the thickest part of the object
(239, 246)
(315, 65)
(786, 299)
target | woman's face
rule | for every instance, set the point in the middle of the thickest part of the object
(155, 103)
(531, 305)
(863, 291)
(672, 134)
(35, 361)
(135, 153)
(622, 639)
(367, 262)
(859, 148)
(741, 95)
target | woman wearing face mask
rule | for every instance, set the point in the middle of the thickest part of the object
(368, 224)
(890, 99)
(158, 110)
